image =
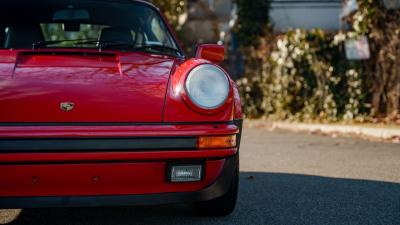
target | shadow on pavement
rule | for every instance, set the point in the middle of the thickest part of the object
(265, 198)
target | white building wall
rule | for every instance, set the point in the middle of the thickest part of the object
(318, 14)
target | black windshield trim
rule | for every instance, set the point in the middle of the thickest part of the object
(150, 5)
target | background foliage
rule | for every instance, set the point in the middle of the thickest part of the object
(304, 75)
(172, 9)
(252, 22)
(382, 27)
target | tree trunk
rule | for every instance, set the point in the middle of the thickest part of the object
(393, 101)
(393, 94)
(378, 86)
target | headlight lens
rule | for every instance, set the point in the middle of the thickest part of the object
(207, 86)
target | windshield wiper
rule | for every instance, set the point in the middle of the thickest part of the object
(158, 48)
(38, 44)
(105, 44)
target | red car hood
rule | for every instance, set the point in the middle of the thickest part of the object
(82, 86)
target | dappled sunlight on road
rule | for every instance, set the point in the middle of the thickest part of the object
(8, 216)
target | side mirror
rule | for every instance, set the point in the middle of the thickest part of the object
(212, 52)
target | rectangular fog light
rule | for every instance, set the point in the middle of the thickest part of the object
(185, 173)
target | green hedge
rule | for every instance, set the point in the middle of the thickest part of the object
(305, 77)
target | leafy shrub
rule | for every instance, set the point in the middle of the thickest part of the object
(382, 27)
(305, 77)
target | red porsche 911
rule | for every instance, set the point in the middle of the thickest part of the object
(100, 107)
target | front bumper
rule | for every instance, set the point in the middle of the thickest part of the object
(32, 177)
(215, 190)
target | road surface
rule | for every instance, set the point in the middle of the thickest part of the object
(286, 179)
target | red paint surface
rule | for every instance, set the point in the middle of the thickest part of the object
(107, 86)
(238, 111)
(116, 131)
(212, 52)
(16, 158)
(96, 179)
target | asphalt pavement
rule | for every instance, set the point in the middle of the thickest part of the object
(286, 179)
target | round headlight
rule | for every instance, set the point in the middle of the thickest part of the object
(207, 86)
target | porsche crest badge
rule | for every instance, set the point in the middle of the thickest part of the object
(67, 106)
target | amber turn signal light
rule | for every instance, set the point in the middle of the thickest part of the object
(210, 142)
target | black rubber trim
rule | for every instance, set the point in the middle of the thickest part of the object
(96, 144)
(15, 124)
(219, 188)
(239, 123)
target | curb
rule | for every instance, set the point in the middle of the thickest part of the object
(385, 133)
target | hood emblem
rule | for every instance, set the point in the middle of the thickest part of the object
(67, 106)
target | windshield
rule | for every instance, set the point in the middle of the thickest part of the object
(84, 24)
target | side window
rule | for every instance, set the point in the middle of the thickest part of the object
(157, 31)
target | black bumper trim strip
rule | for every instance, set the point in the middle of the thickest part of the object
(96, 144)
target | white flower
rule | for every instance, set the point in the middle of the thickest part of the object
(339, 38)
